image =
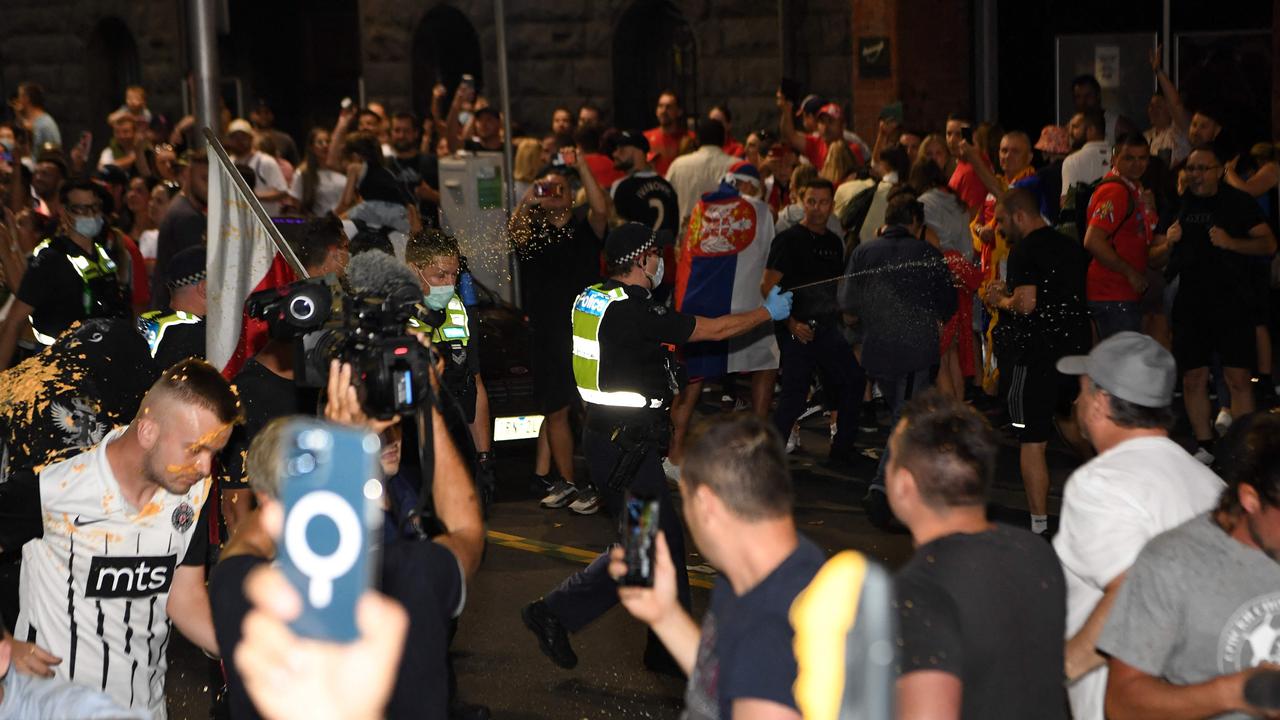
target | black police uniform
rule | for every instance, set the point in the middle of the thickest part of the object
(631, 360)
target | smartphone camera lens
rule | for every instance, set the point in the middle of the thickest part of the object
(302, 464)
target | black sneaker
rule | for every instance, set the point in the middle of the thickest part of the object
(553, 640)
(876, 503)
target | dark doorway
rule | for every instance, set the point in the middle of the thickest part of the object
(653, 50)
(445, 47)
(111, 65)
(301, 56)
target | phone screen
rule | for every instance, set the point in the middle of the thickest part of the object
(331, 495)
(639, 540)
(966, 132)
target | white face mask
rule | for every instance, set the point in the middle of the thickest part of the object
(439, 296)
(656, 278)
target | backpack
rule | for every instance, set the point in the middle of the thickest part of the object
(1073, 219)
(855, 213)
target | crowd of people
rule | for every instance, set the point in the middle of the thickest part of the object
(945, 284)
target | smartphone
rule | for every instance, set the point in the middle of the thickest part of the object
(332, 493)
(345, 104)
(86, 142)
(639, 539)
(467, 81)
(543, 189)
(966, 132)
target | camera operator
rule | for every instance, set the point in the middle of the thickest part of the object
(628, 381)
(427, 577)
(266, 382)
(435, 257)
(124, 545)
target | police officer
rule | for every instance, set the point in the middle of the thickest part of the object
(628, 380)
(178, 333)
(435, 258)
(69, 277)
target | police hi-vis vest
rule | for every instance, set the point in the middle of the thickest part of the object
(588, 315)
(88, 270)
(153, 324)
(455, 328)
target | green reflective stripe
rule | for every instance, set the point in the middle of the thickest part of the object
(588, 314)
(456, 326)
(153, 325)
(88, 270)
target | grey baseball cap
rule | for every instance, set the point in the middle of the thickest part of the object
(1130, 366)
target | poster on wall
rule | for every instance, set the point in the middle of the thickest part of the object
(1121, 64)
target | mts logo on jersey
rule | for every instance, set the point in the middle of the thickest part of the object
(117, 577)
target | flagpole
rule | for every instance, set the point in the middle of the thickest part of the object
(249, 198)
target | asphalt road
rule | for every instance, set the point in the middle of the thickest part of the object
(531, 550)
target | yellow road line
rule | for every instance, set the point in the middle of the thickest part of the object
(566, 552)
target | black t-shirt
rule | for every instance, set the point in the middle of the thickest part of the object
(803, 256)
(59, 296)
(381, 184)
(990, 609)
(632, 358)
(423, 576)
(179, 343)
(1214, 281)
(746, 647)
(1056, 265)
(555, 265)
(264, 396)
(183, 226)
(647, 198)
(412, 171)
(230, 606)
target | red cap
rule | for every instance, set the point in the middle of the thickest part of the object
(831, 109)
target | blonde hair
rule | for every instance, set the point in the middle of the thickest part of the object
(262, 462)
(840, 163)
(528, 158)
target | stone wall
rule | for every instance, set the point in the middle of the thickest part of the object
(559, 52)
(48, 42)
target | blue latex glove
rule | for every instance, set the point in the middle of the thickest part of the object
(778, 304)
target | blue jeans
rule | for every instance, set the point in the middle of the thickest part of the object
(1113, 316)
(897, 390)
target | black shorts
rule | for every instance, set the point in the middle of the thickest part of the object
(551, 355)
(1196, 338)
(1036, 394)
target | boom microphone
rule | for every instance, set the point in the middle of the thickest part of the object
(380, 274)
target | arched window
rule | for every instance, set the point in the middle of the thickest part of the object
(445, 47)
(111, 65)
(653, 49)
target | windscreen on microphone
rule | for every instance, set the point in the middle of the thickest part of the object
(379, 274)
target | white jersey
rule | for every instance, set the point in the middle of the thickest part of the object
(95, 588)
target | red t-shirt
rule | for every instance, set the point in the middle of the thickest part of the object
(140, 283)
(733, 147)
(966, 184)
(1107, 210)
(815, 148)
(664, 147)
(602, 170)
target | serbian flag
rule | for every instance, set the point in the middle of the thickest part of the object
(719, 269)
(242, 259)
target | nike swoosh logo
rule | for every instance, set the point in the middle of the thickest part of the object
(81, 523)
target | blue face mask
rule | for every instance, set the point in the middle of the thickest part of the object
(89, 226)
(439, 296)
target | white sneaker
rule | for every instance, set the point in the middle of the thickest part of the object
(1203, 456)
(1223, 421)
(793, 440)
(561, 494)
(587, 503)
